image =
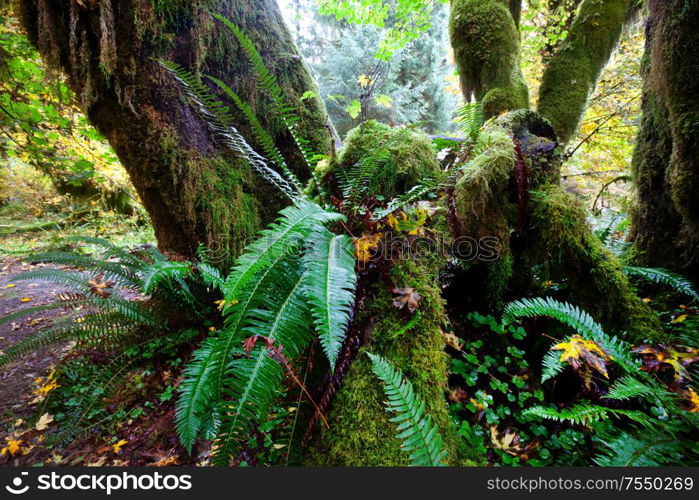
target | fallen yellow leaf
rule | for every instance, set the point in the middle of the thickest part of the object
(43, 422)
(117, 446)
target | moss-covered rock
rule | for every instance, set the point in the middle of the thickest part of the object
(360, 433)
(485, 39)
(571, 73)
(410, 158)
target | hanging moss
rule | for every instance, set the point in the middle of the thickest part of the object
(412, 157)
(360, 433)
(485, 39)
(572, 71)
(593, 275)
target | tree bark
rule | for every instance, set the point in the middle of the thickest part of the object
(193, 189)
(665, 227)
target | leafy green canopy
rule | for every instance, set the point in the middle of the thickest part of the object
(407, 19)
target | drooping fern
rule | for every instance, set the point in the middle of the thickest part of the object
(283, 327)
(420, 436)
(577, 319)
(222, 123)
(267, 82)
(664, 277)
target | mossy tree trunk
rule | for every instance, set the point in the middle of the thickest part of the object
(572, 71)
(485, 38)
(666, 160)
(195, 191)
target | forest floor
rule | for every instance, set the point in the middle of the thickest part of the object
(17, 379)
(146, 440)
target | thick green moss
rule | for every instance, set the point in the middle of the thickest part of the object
(572, 71)
(412, 157)
(360, 433)
(595, 281)
(666, 160)
(485, 39)
(483, 208)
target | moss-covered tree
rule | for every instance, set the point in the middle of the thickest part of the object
(666, 160)
(194, 191)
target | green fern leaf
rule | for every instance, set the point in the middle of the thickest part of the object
(330, 282)
(420, 436)
(665, 277)
(295, 223)
(575, 318)
(254, 379)
(195, 394)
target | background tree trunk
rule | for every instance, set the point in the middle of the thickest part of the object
(194, 191)
(666, 161)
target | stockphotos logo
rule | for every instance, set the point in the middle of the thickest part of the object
(16, 488)
(107, 483)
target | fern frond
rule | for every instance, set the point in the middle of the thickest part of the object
(575, 318)
(222, 123)
(110, 250)
(161, 272)
(420, 436)
(116, 272)
(330, 282)
(552, 365)
(269, 148)
(73, 280)
(254, 379)
(295, 223)
(354, 181)
(211, 276)
(664, 277)
(102, 328)
(586, 413)
(417, 192)
(267, 82)
(470, 119)
(635, 450)
(196, 392)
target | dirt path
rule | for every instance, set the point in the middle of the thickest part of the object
(17, 379)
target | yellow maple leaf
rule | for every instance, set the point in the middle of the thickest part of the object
(366, 246)
(10, 285)
(13, 447)
(118, 445)
(364, 81)
(25, 299)
(679, 319)
(693, 400)
(578, 350)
